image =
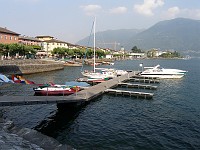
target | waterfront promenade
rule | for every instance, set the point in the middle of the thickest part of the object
(29, 66)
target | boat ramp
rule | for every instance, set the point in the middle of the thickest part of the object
(89, 93)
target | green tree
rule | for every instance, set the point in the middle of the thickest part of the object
(61, 51)
(136, 50)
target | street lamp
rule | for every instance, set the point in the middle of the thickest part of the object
(47, 50)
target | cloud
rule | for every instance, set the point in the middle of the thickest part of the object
(27, 1)
(191, 13)
(197, 13)
(147, 7)
(173, 12)
(91, 9)
(118, 10)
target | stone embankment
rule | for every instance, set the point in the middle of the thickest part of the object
(12, 137)
(28, 66)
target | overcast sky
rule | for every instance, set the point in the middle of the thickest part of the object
(71, 20)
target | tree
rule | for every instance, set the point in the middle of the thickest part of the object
(136, 50)
(59, 51)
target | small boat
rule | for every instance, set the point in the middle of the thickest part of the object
(107, 63)
(54, 90)
(159, 72)
(72, 64)
(92, 81)
(100, 75)
(5, 79)
(115, 72)
(21, 79)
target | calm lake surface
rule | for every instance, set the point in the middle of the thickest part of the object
(171, 120)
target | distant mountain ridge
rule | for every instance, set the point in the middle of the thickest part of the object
(110, 38)
(179, 34)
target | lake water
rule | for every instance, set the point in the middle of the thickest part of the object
(171, 120)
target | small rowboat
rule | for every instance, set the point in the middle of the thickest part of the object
(55, 90)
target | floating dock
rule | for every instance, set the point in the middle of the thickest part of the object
(79, 97)
(130, 93)
(139, 86)
(144, 80)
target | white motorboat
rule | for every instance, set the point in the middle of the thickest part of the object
(159, 72)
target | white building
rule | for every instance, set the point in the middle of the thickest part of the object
(137, 55)
(49, 43)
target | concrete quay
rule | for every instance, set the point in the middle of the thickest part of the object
(28, 66)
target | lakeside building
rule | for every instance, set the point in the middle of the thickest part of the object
(48, 43)
(29, 40)
(137, 55)
(8, 36)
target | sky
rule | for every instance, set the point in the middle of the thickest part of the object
(71, 20)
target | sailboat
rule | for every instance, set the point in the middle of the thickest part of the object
(93, 74)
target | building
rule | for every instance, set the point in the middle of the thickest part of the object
(49, 43)
(137, 55)
(8, 37)
(29, 40)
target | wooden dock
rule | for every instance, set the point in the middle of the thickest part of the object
(82, 96)
(130, 93)
(139, 86)
(144, 80)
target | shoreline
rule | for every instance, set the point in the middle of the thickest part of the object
(13, 137)
(29, 66)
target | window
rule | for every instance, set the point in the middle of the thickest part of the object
(5, 37)
(10, 37)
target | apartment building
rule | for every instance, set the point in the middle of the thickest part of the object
(29, 40)
(49, 43)
(8, 36)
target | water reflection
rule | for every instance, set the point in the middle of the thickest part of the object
(63, 118)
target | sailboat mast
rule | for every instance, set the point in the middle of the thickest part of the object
(94, 41)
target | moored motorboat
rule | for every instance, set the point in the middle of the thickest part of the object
(54, 90)
(159, 72)
(72, 63)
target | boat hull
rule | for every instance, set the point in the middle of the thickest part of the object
(166, 76)
(55, 91)
(158, 72)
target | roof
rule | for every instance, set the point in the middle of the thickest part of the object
(44, 36)
(5, 30)
(55, 41)
(29, 38)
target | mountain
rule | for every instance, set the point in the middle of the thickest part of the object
(110, 38)
(179, 34)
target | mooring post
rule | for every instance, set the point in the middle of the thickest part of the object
(86, 95)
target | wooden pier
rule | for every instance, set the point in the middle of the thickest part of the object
(144, 80)
(130, 93)
(139, 86)
(82, 96)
